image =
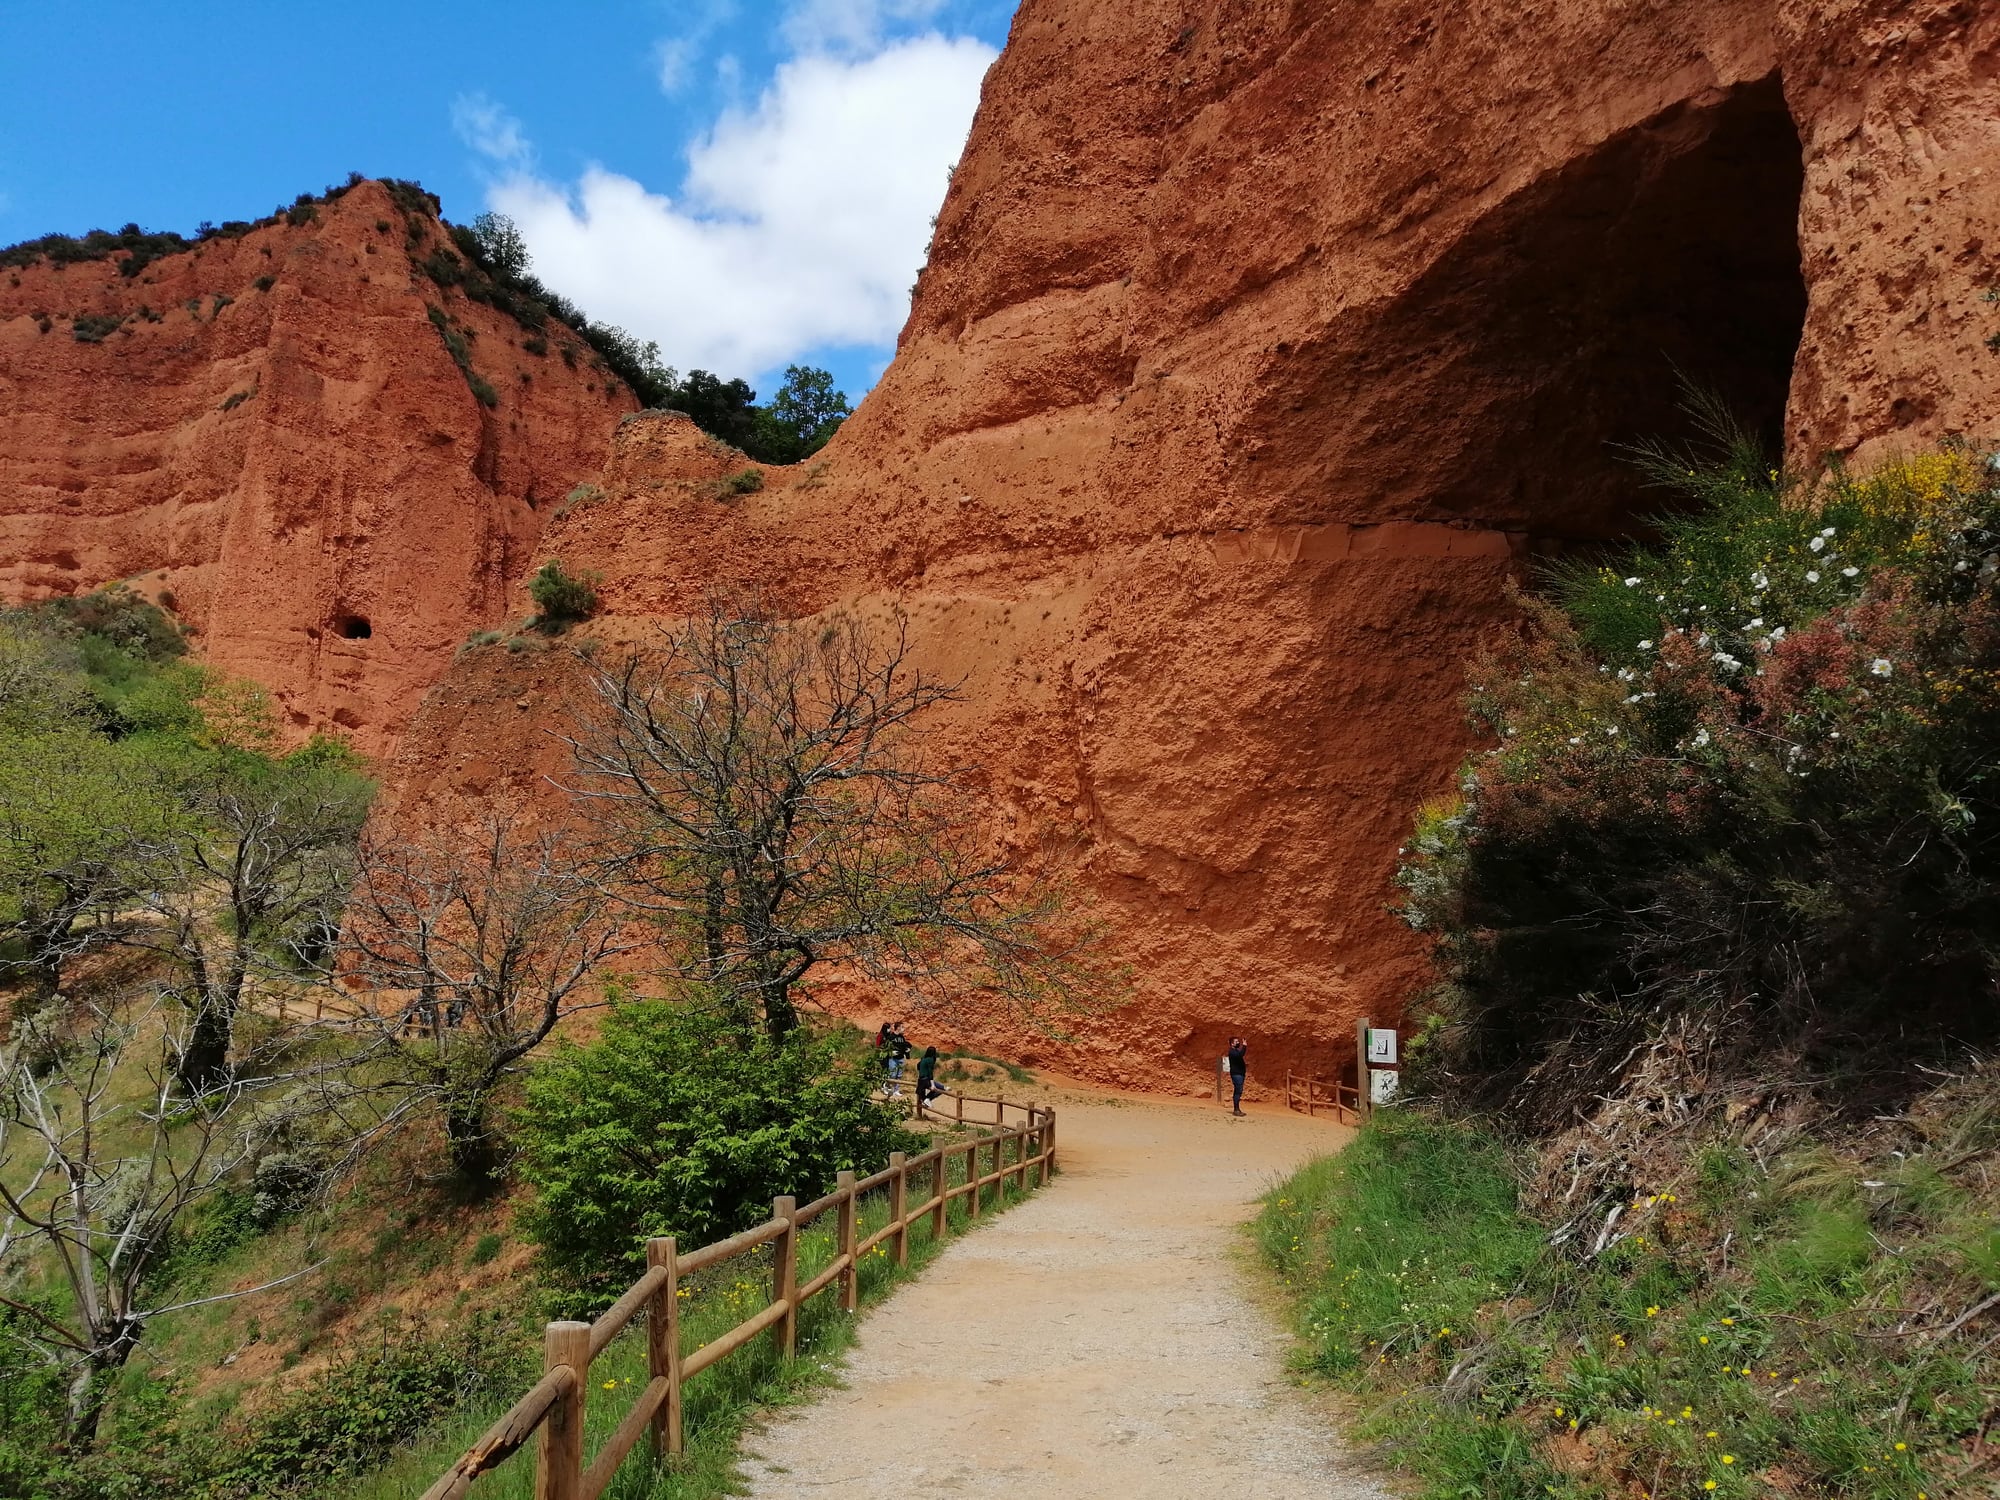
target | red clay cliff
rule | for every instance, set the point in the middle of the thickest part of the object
(1260, 345)
(277, 437)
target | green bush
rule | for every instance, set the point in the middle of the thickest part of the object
(94, 328)
(1740, 781)
(744, 482)
(367, 1403)
(562, 598)
(674, 1122)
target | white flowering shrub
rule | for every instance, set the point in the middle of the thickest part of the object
(1747, 777)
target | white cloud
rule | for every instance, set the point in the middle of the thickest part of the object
(490, 130)
(851, 26)
(802, 220)
(674, 59)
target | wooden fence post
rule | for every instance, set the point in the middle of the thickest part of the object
(899, 1204)
(1049, 1146)
(958, 1106)
(1362, 1093)
(1000, 1112)
(785, 1277)
(663, 1346)
(559, 1466)
(850, 1281)
(940, 1185)
(972, 1180)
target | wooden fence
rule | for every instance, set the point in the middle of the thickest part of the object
(1308, 1092)
(555, 1406)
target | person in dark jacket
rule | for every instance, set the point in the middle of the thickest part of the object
(1239, 1054)
(927, 1084)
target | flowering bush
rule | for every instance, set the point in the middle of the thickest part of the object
(1745, 779)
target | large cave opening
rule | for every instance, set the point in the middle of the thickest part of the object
(1568, 321)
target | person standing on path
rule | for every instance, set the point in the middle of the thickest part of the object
(1239, 1053)
(899, 1051)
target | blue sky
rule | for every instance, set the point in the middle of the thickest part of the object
(744, 181)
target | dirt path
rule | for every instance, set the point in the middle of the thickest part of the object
(1099, 1340)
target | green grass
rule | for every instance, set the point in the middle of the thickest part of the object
(1014, 1071)
(1742, 1339)
(720, 1401)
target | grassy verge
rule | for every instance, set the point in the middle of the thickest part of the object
(722, 1400)
(1785, 1321)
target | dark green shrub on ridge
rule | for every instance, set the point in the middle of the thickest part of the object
(561, 598)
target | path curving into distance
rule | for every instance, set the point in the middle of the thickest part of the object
(1102, 1339)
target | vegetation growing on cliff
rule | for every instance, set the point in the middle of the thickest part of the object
(1697, 1195)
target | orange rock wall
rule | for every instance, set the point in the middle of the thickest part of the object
(1259, 346)
(358, 481)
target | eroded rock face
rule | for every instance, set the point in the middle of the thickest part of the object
(1259, 347)
(299, 466)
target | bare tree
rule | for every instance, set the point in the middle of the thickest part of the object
(761, 800)
(100, 1159)
(264, 854)
(491, 938)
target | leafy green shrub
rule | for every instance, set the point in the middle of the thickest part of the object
(235, 399)
(265, 283)
(458, 343)
(1738, 781)
(140, 248)
(675, 1122)
(744, 482)
(442, 267)
(94, 328)
(360, 1408)
(562, 598)
(486, 1249)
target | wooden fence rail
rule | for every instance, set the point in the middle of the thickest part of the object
(1311, 1093)
(554, 1407)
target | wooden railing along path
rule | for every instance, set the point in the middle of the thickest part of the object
(1312, 1093)
(555, 1406)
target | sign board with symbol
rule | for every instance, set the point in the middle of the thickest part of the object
(1381, 1047)
(1382, 1084)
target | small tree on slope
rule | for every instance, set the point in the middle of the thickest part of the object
(761, 801)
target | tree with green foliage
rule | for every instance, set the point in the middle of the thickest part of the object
(77, 814)
(676, 1121)
(762, 802)
(502, 245)
(726, 409)
(801, 419)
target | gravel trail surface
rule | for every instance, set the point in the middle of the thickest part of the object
(1102, 1339)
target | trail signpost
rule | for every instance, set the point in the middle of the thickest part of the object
(1377, 1063)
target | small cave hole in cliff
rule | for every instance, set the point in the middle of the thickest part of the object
(1567, 322)
(354, 628)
